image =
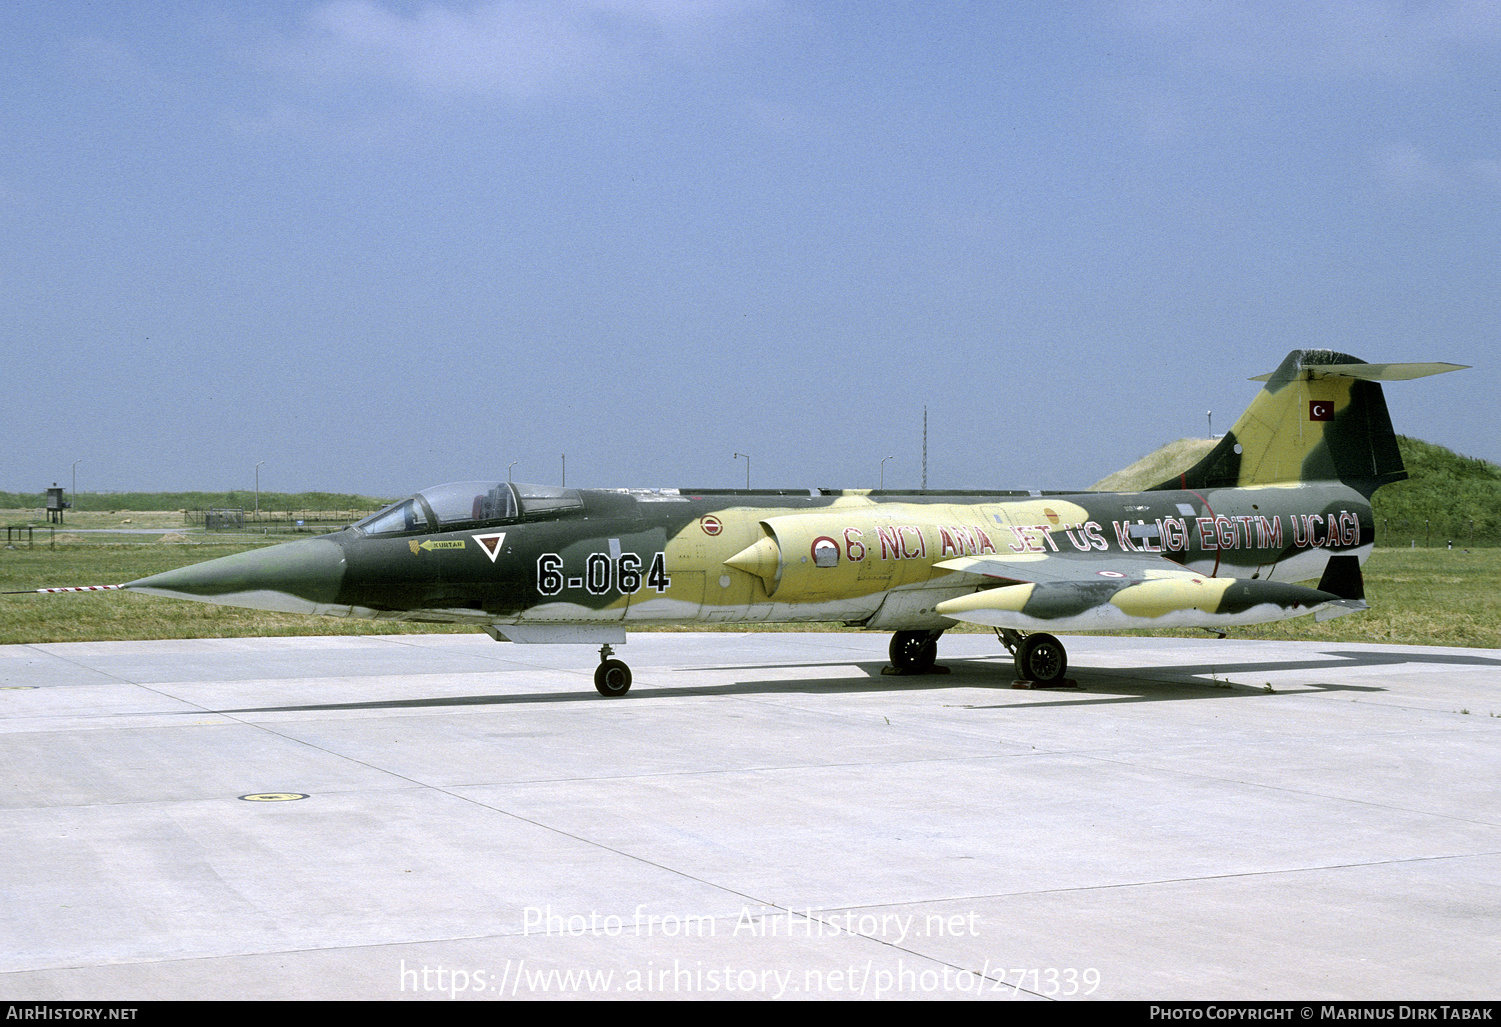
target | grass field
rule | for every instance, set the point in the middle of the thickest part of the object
(87, 521)
(1418, 597)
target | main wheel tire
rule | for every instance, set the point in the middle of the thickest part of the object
(1041, 658)
(612, 678)
(913, 651)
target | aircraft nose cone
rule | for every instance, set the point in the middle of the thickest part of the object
(294, 577)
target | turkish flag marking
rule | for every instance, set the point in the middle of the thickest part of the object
(1320, 410)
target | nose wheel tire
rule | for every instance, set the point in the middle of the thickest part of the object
(612, 678)
(1041, 658)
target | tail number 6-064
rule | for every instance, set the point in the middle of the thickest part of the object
(603, 575)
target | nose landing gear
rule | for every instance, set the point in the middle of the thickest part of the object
(612, 678)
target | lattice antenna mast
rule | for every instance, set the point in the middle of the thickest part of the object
(924, 448)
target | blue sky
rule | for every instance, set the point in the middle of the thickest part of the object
(379, 245)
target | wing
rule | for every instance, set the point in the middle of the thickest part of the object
(1106, 591)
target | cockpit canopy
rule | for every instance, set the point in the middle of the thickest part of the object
(462, 504)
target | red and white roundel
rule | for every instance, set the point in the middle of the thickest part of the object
(1110, 574)
(825, 552)
(711, 525)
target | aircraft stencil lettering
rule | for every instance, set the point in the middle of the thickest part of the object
(454, 543)
(1283, 498)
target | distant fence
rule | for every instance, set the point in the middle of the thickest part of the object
(219, 518)
(50, 536)
(214, 518)
(1435, 533)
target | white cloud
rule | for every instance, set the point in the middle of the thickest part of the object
(100, 60)
(1487, 172)
(1319, 37)
(1404, 170)
(515, 49)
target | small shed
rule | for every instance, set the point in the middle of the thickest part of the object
(56, 504)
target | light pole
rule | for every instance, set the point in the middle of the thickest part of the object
(75, 481)
(258, 492)
(883, 470)
(513, 463)
(737, 456)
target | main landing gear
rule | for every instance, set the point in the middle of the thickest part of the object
(612, 678)
(1040, 657)
(913, 652)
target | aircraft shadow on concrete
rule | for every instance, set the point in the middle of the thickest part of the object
(871, 677)
(1217, 680)
(1231, 679)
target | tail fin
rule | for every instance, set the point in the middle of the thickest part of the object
(1321, 417)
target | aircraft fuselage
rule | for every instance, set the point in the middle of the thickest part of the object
(872, 559)
(1282, 498)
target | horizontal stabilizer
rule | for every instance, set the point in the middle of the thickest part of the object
(1371, 372)
(1321, 417)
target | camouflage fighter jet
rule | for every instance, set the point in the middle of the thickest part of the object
(1283, 498)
